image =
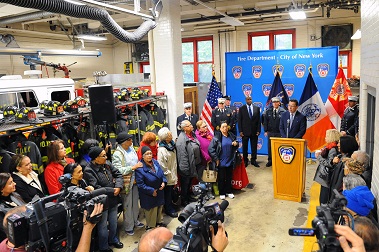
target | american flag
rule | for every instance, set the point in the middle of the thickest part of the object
(214, 93)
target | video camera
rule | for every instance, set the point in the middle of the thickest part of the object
(323, 224)
(196, 218)
(55, 226)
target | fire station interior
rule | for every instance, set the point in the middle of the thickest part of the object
(49, 53)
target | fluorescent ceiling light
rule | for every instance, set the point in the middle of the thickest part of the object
(297, 14)
(231, 21)
(91, 37)
(357, 34)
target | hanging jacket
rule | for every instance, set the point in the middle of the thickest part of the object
(69, 133)
(42, 139)
(158, 116)
(5, 160)
(30, 149)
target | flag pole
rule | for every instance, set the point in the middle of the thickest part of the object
(310, 161)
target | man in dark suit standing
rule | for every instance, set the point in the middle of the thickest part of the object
(293, 124)
(193, 118)
(249, 126)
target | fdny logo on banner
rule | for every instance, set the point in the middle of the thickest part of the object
(286, 153)
(258, 104)
(289, 89)
(279, 68)
(299, 70)
(257, 71)
(323, 69)
(311, 111)
(246, 89)
(266, 89)
(237, 72)
(237, 105)
(259, 143)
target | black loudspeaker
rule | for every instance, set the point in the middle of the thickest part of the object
(102, 104)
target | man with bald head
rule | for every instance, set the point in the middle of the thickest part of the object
(156, 239)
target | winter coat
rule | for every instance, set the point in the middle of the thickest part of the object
(124, 164)
(187, 161)
(147, 182)
(27, 188)
(325, 166)
(105, 175)
(167, 161)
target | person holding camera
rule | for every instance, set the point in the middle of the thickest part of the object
(222, 149)
(85, 240)
(346, 146)
(347, 236)
(325, 157)
(155, 240)
(100, 173)
(27, 182)
(151, 182)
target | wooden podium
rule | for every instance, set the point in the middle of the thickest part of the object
(288, 167)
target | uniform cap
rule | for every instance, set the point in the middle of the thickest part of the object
(187, 105)
(227, 97)
(275, 99)
(221, 100)
(353, 98)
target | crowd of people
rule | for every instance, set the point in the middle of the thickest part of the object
(145, 178)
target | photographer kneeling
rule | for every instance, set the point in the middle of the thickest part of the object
(85, 240)
(156, 239)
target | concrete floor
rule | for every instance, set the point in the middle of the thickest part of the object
(254, 220)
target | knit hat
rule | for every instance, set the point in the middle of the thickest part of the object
(144, 149)
(360, 200)
(122, 137)
(94, 152)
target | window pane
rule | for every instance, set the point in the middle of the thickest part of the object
(343, 60)
(188, 73)
(30, 100)
(260, 43)
(283, 41)
(205, 73)
(187, 52)
(204, 50)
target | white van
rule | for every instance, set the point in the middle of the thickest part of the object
(31, 92)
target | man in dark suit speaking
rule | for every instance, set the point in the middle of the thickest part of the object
(293, 124)
(249, 126)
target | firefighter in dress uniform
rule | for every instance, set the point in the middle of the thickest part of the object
(234, 110)
(350, 117)
(271, 122)
(222, 114)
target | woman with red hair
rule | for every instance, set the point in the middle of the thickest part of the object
(149, 140)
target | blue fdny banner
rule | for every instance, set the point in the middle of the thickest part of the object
(252, 73)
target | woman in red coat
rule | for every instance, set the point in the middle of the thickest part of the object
(57, 160)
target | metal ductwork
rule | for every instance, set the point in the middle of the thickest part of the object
(26, 17)
(88, 12)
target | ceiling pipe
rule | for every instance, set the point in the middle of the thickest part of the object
(88, 12)
(26, 17)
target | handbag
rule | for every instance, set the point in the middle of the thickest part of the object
(240, 179)
(209, 175)
(127, 177)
